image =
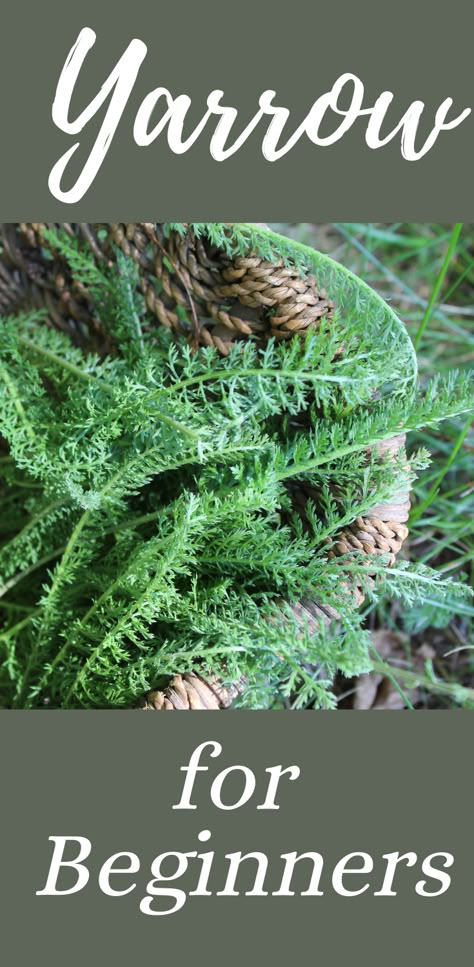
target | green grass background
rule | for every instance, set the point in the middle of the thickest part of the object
(426, 273)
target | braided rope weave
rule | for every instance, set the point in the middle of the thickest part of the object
(191, 692)
(230, 299)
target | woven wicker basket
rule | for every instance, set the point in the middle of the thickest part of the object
(226, 300)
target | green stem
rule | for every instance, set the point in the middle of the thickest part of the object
(31, 524)
(329, 457)
(29, 570)
(439, 282)
(107, 387)
(431, 496)
(56, 581)
(6, 635)
(385, 669)
(412, 679)
(59, 361)
(134, 608)
(18, 404)
(293, 377)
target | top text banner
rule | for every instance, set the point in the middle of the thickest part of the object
(245, 111)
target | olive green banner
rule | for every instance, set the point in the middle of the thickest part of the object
(360, 830)
(259, 112)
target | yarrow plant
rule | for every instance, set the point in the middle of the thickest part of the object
(147, 522)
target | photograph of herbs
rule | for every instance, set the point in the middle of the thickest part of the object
(206, 499)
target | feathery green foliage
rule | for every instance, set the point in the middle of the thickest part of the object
(146, 518)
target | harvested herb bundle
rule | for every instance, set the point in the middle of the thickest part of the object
(151, 519)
